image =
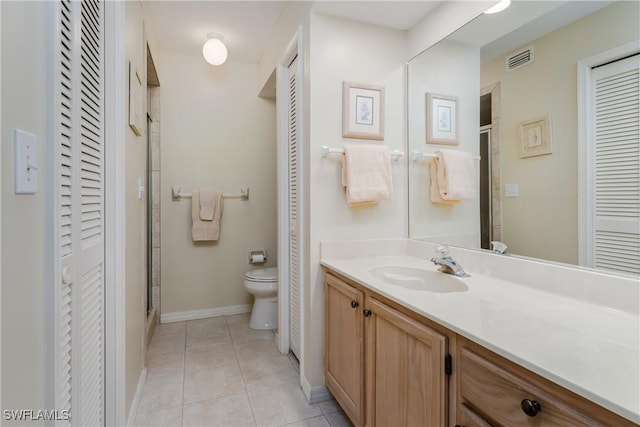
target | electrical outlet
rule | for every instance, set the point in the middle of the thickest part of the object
(511, 190)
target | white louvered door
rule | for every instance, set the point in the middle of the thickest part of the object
(616, 163)
(294, 220)
(80, 209)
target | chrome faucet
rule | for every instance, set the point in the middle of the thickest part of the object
(446, 263)
(498, 247)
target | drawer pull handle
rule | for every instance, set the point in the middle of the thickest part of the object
(354, 304)
(366, 312)
(530, 407)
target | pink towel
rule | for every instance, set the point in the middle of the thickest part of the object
(456, 172)
(435, 186)
(366, 172)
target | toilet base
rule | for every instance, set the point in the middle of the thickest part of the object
(264, 314)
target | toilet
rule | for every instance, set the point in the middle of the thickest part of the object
(263, 284)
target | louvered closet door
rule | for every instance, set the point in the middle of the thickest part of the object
(294, 220)
(616, 89)
(80, 209)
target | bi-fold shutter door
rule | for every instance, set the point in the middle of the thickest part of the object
(79, 147)
(294, 227)
(616, 89)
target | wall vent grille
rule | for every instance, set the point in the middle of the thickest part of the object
(519, 59)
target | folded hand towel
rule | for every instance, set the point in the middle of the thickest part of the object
(207, 203)
(435, 186)
(205, 230)
(367, 174)
(456, 175)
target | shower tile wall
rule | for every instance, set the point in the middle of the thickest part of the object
(154, 111)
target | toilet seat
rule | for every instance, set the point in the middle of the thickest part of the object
(262, 275)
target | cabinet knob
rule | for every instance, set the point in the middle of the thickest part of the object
(354, 304)
(530, 407)
(366, 312)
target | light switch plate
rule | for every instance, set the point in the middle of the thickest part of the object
(511, 190)
(25, 152)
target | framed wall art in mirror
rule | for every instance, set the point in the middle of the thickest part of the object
(535, 137)
(362, 111)
(442, 119)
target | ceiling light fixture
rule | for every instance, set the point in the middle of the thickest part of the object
(498, 7)
(214, 51)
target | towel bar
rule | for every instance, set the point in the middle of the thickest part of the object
(325, 150)
(417, 155)
(176, 194)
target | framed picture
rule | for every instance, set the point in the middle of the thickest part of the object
(362, 111)
(535, 137)
(442, 119)
(136, 97)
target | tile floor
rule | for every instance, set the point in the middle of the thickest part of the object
(218, 372)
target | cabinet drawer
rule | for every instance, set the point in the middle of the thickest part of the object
(498, 395)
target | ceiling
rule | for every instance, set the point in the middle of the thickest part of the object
(181, 26)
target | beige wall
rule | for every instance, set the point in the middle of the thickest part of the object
(135, 214)
(216, 132)
(342, 50)
(543, 221)
(24, 29)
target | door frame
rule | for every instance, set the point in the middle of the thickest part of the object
(295, 48)
(585, 151)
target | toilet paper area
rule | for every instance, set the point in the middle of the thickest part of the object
(257, 257)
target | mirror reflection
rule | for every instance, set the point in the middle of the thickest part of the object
(547, 97)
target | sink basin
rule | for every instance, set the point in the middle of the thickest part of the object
(418, 279)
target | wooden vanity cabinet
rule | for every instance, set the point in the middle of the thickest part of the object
(493, 391)
(403, 359)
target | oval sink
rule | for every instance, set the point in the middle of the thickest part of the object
(418, 279)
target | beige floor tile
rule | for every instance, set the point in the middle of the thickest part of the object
(212, 383)
(209, 356)
(166, 343)
(281, 405)
(161, 392)
(247, 350)
(160, 418)
(171, 363)
(268, 372)
(320, 421)
(242, 333)
(242, 319)
(338, 419)
(329, 406)
(170, 328)
(197, 337)
(208, 324)
(232, 410)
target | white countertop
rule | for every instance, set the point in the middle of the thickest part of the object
(587, 348)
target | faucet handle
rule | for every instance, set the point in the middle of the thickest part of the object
(498, 247)
(442, 251)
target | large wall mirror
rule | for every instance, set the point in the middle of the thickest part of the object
(547, 100)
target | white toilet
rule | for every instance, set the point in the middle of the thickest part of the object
(263, 284)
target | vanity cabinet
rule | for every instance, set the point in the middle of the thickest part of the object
(384, 367)
(494, 391)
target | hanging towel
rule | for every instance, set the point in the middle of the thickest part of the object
(456, 175)
(366, 172)
(205, 230)
(435, 186)
(207, 203)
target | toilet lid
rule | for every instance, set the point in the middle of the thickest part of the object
(263, 274)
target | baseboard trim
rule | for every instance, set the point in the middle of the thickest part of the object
(315, 394)
(181, 316)
(137, 397)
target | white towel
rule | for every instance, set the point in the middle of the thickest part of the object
(366, 172)
(205, 230)
(435, 186)
(207, 203)
(456, 172)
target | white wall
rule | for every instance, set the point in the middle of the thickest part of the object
(24, 27)
(450, 69)
(547, 207)
(342, 50)
(216, 132)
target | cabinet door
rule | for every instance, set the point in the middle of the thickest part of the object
(344, 341)
(405, 370)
